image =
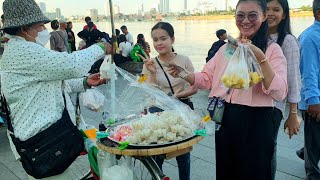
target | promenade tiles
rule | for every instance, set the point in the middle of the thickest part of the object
(290, 167)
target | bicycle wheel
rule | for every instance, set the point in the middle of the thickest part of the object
(146, 168)
(80, 168)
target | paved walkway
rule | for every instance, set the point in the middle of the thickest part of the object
(290, 167)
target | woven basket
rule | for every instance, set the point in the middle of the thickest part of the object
(132, 67)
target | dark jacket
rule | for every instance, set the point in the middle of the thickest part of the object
(214, 49)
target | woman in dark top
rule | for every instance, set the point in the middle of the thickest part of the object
(143, 44)
(71, 37)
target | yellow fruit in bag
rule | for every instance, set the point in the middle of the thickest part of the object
(234, 81)
(255, 78)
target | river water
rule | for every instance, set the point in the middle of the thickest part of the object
(193, 38)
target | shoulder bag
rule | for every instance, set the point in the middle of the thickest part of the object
(51, 151)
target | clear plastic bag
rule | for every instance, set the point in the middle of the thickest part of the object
(242, 71)
(105, 161)
(255, 72)
(92, 99)
(117, 172)
(236, 74)
(133, 99)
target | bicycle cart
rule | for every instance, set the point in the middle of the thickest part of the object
(145, 154)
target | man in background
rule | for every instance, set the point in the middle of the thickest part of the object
(222, 36)
(128, 35)
(88, 20)
(310, 94)
(63, 27)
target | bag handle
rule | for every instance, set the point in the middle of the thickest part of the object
(5, 109)
(78, 110)
(165, 75)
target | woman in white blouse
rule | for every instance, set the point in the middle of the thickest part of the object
(36, 81)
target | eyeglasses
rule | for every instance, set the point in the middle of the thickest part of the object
(251, 17)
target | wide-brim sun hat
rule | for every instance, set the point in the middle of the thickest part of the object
(18, 13)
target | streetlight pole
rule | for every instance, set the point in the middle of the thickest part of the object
(112, 69)
(112, 18)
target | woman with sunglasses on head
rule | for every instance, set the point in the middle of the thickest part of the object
(245, 140)
(280, 32)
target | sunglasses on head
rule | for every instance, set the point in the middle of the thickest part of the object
(252, 17)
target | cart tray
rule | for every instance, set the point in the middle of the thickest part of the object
(111, 147)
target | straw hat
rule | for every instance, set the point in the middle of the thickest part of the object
(18, 13)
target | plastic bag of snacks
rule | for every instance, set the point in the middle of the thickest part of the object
(92, 99)
(134, 124)
(255, 72)
(242, 71)
(236, 74)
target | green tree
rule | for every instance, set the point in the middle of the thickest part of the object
(231, 10)
(306, 8)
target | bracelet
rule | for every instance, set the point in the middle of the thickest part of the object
(294, 111)
(85, 83)
(183, 76)
(102, 46)
(265, 60)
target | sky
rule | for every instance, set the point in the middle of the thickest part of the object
(79, 7)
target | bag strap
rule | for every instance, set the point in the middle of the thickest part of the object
(165, 75)
(78, 110)
(64, 39)
(5, 107)
(6, 110)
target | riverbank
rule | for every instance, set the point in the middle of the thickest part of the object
(221, 17)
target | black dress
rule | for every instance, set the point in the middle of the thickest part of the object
(71, 39)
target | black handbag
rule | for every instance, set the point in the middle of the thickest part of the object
(51, 151)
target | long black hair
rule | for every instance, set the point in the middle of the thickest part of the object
(141, 41)
(165, 26)
(261, 38)
(284, 26)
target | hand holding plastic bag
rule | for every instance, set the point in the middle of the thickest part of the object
(236, 74)
(255, 72)
(107, 68)
(93, 99)
(254, 68)
(243, 70)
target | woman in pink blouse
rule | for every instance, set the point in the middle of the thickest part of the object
(244, 142)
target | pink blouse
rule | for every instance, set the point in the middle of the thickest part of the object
(256, 96)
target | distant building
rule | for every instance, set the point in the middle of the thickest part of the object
(54, 14)
(93, 13)
(43, 6)
(51, 15)
(226, 5)
(116, 9)
(58, 11)
(164, 6)
(107, 8)
(185, 5)
(153, 11)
